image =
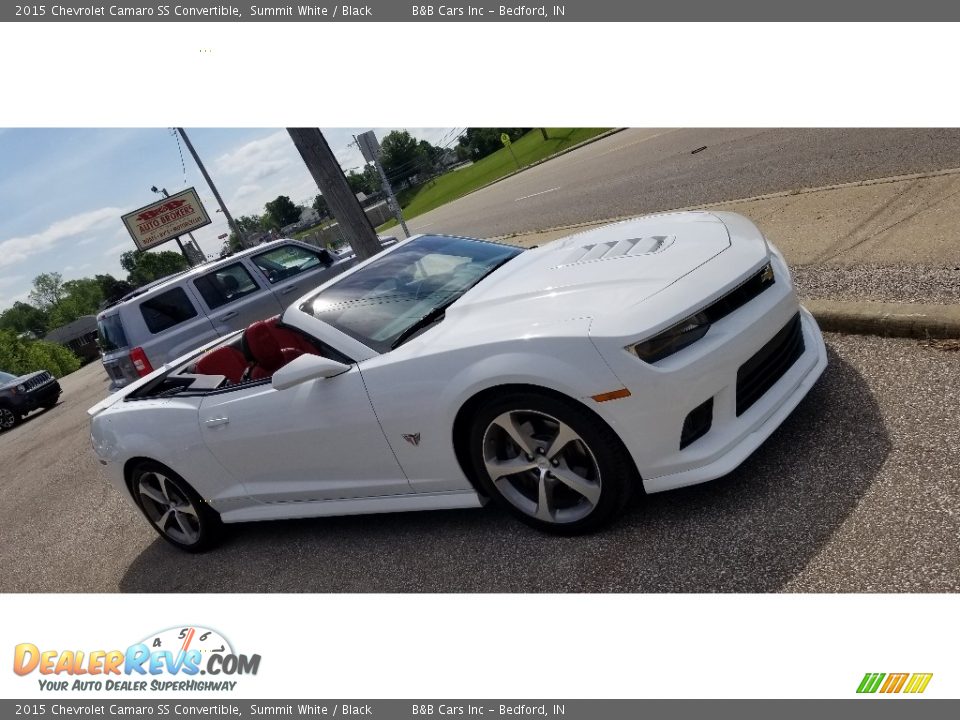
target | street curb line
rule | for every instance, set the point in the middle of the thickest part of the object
(910, 320)
(754, 198)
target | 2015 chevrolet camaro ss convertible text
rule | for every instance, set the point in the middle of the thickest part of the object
(645, 355)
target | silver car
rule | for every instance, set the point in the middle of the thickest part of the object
(164, 320)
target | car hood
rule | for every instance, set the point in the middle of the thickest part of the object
(600, 271)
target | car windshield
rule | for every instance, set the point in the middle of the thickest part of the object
(6, 377)
(382, 301)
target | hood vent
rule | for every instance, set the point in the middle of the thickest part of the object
(630, 247)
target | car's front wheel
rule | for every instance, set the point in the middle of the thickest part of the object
(8, 418)
(174, 509)
(550, 462)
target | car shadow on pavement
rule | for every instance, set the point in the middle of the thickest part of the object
(751, 531)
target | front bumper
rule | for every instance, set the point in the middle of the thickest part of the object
(738, 437)
(45, 395)
(651, 421)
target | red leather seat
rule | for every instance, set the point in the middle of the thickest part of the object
(290, 338)
(263, 346)
(223, 361)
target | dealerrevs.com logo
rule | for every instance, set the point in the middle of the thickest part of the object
(892, 683)
(178, 659)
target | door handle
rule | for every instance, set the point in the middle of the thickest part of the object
(229, 315)
(214, 422)
(288, 289)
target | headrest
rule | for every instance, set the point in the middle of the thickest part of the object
(262, 346)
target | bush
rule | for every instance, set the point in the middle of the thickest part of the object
(19, 356)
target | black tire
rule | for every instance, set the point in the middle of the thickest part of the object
(613, 469)
(204, 521)
(9, 418)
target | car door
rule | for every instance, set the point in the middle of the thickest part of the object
(319, 440)
(233, 298)
(293, 270)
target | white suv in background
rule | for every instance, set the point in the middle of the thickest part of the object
(162, 321)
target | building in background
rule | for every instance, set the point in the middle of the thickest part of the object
(80, 337)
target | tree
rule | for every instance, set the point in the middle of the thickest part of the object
(112, 289)
(20, 356)
(145, 267)
(480, 142)
(429, 155)
(320, 205)
(368, 182)
(250, 223)
(400, 155)
(81, 297)
(282, 211)
(48, 291)
(24, 318)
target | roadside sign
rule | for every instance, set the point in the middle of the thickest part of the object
(505, 139)
(223, 237)
(166, 219)
(369, 146)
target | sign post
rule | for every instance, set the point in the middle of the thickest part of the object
(505, 139)
(370, 149)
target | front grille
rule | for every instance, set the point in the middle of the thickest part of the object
(769, 364)
(37, 381)
(697, 423)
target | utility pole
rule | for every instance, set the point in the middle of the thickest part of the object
(331, 181)
(216, 194)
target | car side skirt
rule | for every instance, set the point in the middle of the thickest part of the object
(355, 506)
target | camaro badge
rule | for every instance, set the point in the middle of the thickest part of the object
(413, 439)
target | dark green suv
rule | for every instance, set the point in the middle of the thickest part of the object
(20, 395)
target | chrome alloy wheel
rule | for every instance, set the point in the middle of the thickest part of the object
(541, 466)
(7, 419)
(169, 508)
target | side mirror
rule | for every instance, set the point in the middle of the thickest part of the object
(306, 368)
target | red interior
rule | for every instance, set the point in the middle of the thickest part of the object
(266, 348)
(225, 361)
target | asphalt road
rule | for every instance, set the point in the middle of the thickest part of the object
(858, 491)
(647, 170)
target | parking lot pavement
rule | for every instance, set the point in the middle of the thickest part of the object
(858, 491)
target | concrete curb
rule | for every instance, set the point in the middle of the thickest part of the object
(910, 320)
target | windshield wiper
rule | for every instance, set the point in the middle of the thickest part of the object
(438, 312)
(427, 320)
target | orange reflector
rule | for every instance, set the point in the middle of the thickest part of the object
(615, 395)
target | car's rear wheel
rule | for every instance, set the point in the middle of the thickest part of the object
(551, 463)
(8, 418)
(173, 508)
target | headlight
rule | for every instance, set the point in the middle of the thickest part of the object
(21, 388)
(672, 339)
(691, 329)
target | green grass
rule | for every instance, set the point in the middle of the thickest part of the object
(457, 183)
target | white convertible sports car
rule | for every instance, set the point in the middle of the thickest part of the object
(649, 354)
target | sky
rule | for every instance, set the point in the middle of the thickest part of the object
(62, 191)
